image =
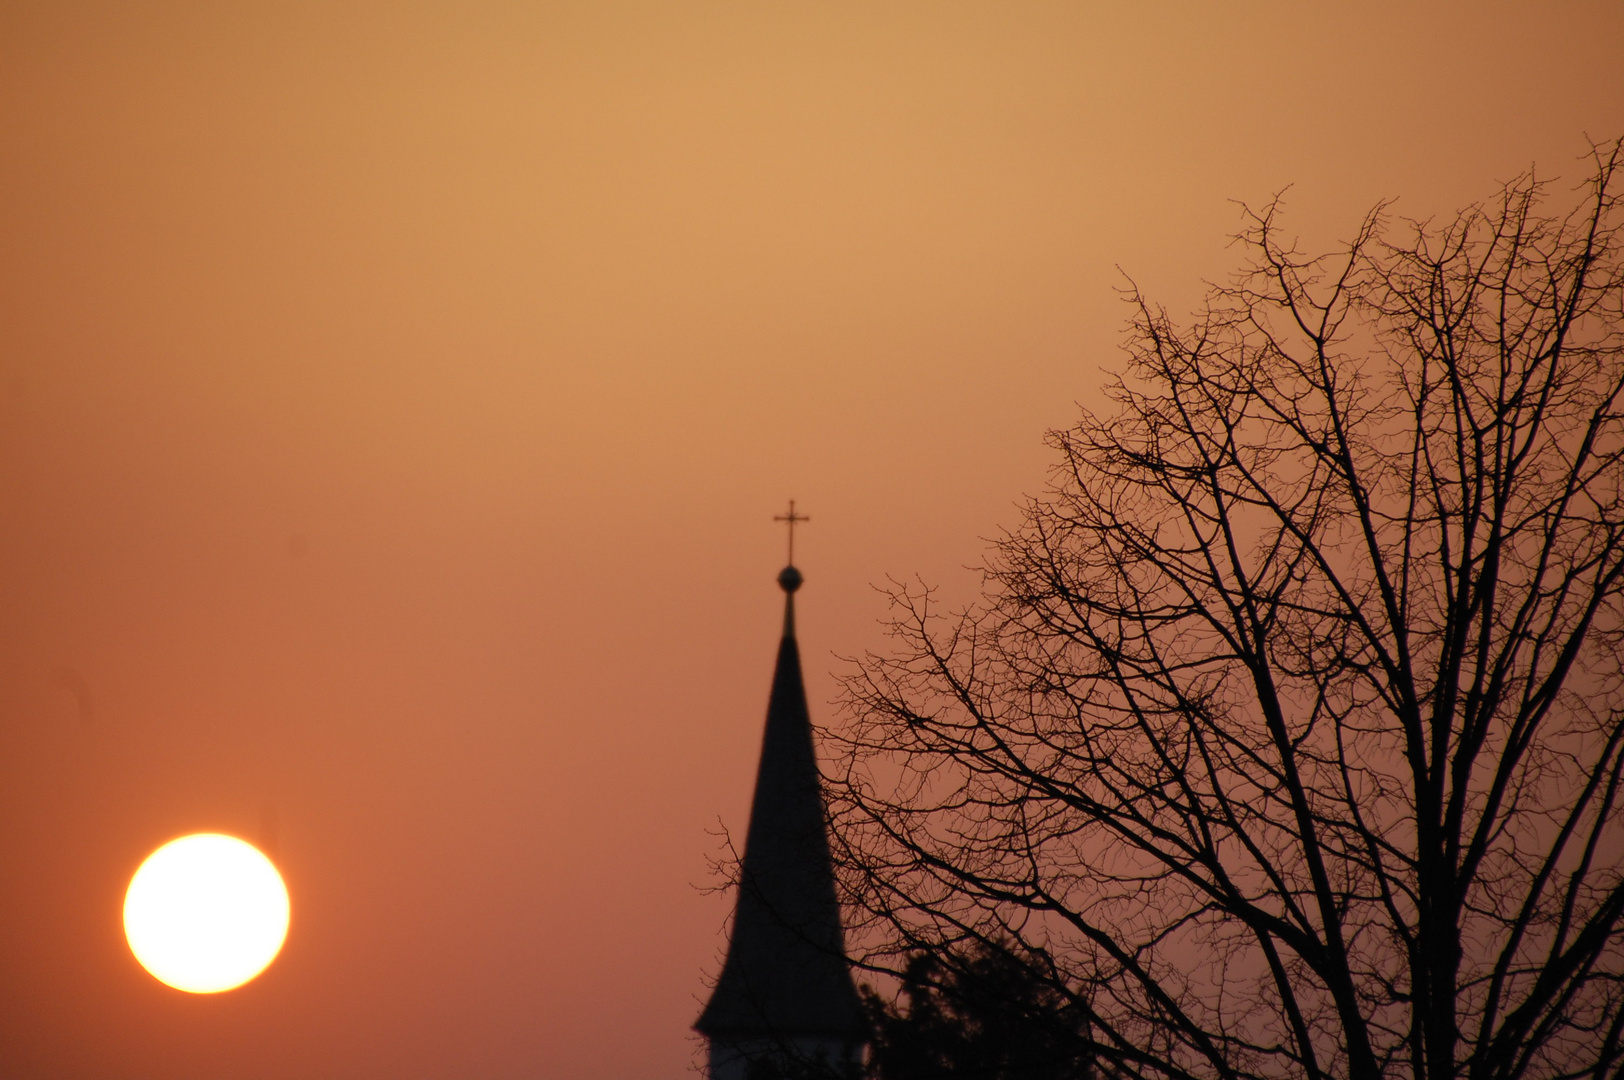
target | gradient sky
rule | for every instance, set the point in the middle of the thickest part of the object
(395, 397)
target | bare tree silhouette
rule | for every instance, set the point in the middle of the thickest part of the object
(1290, 730)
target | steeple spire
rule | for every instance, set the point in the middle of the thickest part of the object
(786, 991)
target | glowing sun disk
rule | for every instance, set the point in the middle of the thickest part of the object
(206, 913)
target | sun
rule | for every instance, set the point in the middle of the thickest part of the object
(206, 913)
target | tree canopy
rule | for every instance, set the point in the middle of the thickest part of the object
(1290, 729)
(978, 1013)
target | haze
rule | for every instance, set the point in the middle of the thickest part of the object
(395, 398)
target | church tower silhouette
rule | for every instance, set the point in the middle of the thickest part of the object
(785, 1005)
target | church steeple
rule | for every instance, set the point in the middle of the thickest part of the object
(785, 994)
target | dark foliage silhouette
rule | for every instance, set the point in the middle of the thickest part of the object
(980, 1014)
(1290, 730)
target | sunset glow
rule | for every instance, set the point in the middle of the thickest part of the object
(396, 400)
(206, 913)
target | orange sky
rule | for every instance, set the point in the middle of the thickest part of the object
(394, 399)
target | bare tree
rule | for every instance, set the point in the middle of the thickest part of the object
(1290, 730)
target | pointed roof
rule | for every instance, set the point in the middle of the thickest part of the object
(786, 972)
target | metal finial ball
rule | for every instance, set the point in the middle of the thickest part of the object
(789, 579)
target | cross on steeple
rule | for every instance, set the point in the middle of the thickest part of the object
(790, 519)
